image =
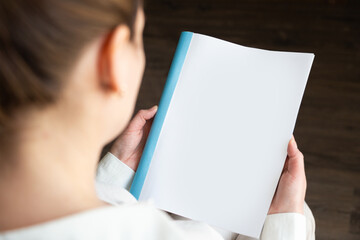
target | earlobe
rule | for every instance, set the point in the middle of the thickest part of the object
(114, 44)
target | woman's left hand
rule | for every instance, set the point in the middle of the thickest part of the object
(130, 144)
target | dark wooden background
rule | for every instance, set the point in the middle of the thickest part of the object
(327, 130)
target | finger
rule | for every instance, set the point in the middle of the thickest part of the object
(139, 121)
(296, 159)
(145, 134)
(292, 150)
(150, 113)
(286, 165)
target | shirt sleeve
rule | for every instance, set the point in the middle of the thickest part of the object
(112, 174)
(284, 226)
(112, 171)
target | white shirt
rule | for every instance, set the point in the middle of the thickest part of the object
(130, 220)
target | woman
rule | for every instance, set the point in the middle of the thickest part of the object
(70, 72)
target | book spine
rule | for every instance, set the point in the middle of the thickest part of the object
(170, 85)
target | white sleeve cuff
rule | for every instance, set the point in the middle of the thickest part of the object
(112, 171)
(284, 226)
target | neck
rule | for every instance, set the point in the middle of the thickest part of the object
(46, 172)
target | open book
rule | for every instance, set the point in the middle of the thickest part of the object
(219, 140)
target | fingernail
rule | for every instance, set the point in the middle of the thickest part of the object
(294, 142)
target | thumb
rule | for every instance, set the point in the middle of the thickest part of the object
(296, 159)
(139, 121)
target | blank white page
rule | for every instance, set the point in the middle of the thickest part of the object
(224, 139)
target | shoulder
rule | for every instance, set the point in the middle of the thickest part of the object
(135, 221)
(127, 221)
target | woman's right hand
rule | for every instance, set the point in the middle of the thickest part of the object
(290, 193)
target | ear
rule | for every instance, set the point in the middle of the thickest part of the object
(114, 45)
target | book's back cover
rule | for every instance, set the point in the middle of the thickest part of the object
(223, 141)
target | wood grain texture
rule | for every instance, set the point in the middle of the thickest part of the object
(327, 130)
